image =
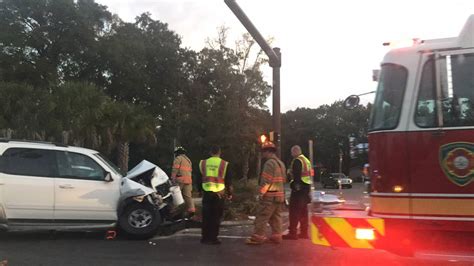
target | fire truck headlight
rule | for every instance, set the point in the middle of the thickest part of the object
(365, 234)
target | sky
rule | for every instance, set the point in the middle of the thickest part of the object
(329, 47)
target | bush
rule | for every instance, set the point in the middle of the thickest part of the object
(244, 201)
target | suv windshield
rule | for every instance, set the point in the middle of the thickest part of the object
(388, 101)
(111, 165)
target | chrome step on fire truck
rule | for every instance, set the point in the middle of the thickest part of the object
(421, 157)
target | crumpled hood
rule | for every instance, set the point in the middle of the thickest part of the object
(130, 188)
(159, 177)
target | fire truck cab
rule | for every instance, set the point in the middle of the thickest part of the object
(421, 137)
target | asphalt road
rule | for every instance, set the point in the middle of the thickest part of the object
(183, 248)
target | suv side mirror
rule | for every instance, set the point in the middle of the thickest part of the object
(108, 178)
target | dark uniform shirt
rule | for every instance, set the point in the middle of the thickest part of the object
(298, 186)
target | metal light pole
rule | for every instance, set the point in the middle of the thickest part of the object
(274, 57)
(276, 99)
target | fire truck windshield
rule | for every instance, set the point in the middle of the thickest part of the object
(388, 100)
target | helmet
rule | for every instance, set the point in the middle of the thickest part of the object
(179, 149)
(268, 146)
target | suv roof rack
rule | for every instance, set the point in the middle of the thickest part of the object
(34, 141)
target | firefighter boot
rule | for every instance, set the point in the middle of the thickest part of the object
(275, 239)
(255, 240)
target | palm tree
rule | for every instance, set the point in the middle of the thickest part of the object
(127, 123)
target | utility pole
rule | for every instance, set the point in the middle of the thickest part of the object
(311, 154)
(311, 160)
(274, 57)
(340, 167)
(340, 161)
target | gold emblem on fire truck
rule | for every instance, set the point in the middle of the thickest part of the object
(457, 162)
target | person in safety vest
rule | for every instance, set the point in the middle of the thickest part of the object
(181, 174)
(271, 198)
(216, 188)
(300, 174)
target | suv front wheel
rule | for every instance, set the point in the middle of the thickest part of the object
(140, 221)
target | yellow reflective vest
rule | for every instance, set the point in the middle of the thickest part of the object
(306, 169)
(213, 171)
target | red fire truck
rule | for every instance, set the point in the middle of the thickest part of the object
(421, 138)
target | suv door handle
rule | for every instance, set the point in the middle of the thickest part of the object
(66, 186)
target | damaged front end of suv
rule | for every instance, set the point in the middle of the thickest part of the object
(148, 198)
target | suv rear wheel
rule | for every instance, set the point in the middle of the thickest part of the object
(140, 221)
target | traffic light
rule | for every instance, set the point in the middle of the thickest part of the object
(274, 136)
(270, 136)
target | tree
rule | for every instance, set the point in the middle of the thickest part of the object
(24, 111)
(125, 123)
(230, 96)
(47, 42)
(99, 82)
(78, 113)
(329, 126)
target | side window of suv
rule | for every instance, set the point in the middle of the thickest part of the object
(29, 162)
(79, 166)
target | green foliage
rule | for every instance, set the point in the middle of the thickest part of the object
(24, 109)
(244, 202)
(328, 126)
(73, 113)
(47, 42)
(71, 71)
(75, 73)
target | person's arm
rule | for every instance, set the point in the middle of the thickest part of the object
(228, 183)
(175, 168)
(266, 178)
(296, 171)
(199, 178)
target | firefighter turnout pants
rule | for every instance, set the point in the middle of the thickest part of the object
(187, 192)
(269, 211)
(212, 212)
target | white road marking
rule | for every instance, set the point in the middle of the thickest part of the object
(195, 235)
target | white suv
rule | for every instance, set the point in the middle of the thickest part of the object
(58, 187)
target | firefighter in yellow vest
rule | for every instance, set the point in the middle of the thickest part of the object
(271, 199)
(182, 175)
(216, 188)
(300, 174)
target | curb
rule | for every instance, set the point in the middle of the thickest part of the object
(237, 223)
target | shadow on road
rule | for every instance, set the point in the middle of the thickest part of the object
(165, 230)
(51, 235)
